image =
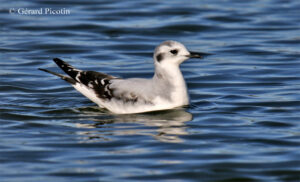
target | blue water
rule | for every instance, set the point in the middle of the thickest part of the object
(243, 123)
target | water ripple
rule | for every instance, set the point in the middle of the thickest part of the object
(242, 123)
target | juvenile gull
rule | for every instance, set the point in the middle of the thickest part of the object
(165, 90)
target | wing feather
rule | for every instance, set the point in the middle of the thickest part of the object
(95, 85)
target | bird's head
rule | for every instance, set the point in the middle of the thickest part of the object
(173, 53)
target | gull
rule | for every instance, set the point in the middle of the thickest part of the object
(165, 90)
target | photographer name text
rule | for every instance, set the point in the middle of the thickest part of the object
(39, 11)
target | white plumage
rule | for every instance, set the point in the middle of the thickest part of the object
(165, 90)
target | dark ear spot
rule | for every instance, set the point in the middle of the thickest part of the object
(159, 57)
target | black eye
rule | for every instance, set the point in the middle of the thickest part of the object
(174, 51)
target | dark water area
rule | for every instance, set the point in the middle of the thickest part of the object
(243, 123)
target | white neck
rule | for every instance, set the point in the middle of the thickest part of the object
(173, 75)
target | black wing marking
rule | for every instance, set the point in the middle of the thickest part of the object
(98, 82)
(70, 70)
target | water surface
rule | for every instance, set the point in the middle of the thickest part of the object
(243, 121)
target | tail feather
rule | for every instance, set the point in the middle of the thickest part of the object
(66, 78)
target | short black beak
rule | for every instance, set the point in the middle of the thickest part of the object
(198, 54)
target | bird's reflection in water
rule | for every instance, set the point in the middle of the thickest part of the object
(166, 126)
